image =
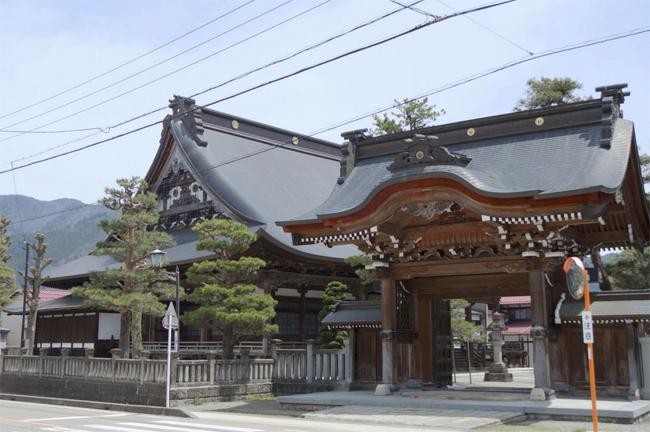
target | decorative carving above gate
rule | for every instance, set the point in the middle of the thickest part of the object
(182, 201)
(424, 149)
(443, 211)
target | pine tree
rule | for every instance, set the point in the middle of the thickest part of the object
(462, 329)
(359, 262)
(411, 114)
(35, 279)
(545, 92)
(223, 290)
(7, 276)
(630, 270)
(335, 292)
(134, 288)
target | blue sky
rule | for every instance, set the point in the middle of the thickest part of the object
(48, 46)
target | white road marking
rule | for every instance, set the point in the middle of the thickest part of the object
(79, 417)
(113, 428)
(58, 407)
(208, 426)
(190, 427)
(62, 429)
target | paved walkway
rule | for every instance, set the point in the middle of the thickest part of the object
(619, 410)
(429, 418)
(522, 378)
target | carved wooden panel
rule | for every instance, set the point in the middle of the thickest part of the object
(183, 201)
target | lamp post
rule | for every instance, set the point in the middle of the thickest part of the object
(157, 257)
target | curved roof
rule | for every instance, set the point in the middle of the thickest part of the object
(263, 179)
(546, 164)
(256, 171)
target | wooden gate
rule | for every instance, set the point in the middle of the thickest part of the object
(441, 333)
(367, 356)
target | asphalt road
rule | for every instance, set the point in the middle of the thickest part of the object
(24, 416)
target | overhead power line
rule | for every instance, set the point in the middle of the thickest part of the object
(57, 108)
(106, 129)
(266, 83)
(491, 30)
(439, 90)
(128, 62)
(236, 78)
(488, 72)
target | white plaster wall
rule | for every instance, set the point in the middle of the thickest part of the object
(109, 325)
(13, 323)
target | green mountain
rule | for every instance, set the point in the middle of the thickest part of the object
(69, 225)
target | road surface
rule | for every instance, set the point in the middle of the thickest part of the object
(24, 416)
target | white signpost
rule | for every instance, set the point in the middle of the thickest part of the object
(170, 322)
(587, 327)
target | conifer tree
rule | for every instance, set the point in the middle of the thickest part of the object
(545, 92)
(335, 292)
(223, 290)
(411, 114)
(7, 276)
(134, 288)
(35, 279)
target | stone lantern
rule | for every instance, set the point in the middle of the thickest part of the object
(497, 370)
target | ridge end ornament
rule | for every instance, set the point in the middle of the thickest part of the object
(424, 149)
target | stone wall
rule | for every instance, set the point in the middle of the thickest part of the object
(74, 388)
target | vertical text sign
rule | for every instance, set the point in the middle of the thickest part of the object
(587, 328)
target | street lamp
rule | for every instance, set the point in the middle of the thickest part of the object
(157, 258)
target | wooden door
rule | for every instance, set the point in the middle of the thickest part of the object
(441, 333)
(367, 355)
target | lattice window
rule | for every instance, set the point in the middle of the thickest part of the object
(403, 304)
(311, 324)
(288, 323)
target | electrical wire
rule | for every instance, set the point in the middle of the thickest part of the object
(491, 30)
(446, 87)
(236, 78)
(128, 62)
(488, 72)
(266, 83)
(68, 103)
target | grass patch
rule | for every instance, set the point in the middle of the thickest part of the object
(261, 397)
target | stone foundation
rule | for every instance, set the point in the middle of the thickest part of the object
(73, 388)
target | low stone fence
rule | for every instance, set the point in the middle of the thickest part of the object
(142, 381)
(311, 369)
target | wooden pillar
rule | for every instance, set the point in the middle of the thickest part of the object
(634, 392)
(303, 305)
(388, 322)
(537, 284)
(388, 311)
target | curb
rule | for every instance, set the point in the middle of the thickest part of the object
(107, 406)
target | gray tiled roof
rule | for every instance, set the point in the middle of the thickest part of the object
(547, 164)
(266, 187)
(354, 314)
(62, 303)
(261, 188)
(623, 305)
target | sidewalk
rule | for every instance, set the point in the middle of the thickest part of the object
(430, 418)
(620, 411)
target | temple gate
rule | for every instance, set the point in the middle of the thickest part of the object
(484, 208)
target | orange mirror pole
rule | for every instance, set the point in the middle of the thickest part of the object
(590, 357)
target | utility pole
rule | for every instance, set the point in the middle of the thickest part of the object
(25, 277)
(177, 331)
